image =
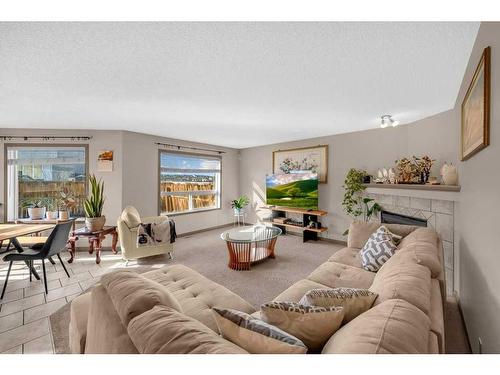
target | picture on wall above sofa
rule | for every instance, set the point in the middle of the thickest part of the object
(293, 190)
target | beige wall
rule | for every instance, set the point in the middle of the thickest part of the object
(370, 150)
(101, 140)
(479, 235)
(140, 181)
(134, 179)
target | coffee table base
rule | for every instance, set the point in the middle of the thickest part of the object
(243, 254)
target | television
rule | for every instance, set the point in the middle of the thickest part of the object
(298, 190)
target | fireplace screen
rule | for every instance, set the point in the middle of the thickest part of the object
(393, 218)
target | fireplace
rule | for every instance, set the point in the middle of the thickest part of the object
(388, 217)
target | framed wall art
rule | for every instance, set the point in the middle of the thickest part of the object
(313, 159)
(476, 110)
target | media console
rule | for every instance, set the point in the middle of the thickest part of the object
(279, 218)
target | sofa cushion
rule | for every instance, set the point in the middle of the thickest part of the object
(105, 332)
(255, 335)
(392, 327)
(197, 294)
(295, 292)
(131, 217)
(353, 301)
(420, 234)
(79, 314)
(378, 249)
(133, 294)
(313, 325)
(422, 253)
(409, 282)
(349, 256)
(163, 330)
(359, 232)
(436, 314)
(335, 275)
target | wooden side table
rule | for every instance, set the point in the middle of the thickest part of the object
(95, 241)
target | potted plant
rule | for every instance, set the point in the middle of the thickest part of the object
(354, 203)
(94, 220)
(239, 204)
(51, 210)
(66, 203)
(36, 210)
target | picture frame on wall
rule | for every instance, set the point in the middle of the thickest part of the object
(475, 132)
(313, 159)
(105, 161)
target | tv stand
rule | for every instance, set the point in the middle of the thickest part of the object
(280, 213)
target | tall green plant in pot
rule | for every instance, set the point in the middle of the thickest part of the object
(354, 203)
(93, 205)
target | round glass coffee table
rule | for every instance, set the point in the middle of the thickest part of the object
(250, 244)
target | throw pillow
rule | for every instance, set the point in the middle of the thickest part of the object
(255, 335)
(311, 324)
(378, 249)
(354, 301)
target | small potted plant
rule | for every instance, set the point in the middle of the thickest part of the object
(239, 204)
(66, 203)
(36, 210)
(94, 220)
(52, 213)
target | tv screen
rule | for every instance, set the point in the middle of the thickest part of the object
(293, 190)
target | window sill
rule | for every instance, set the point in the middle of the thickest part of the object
(189, 212)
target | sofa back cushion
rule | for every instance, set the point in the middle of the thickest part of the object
(392, 327)
(427, 235)
(422, 253)
(130, 216)
(409, 282)
(133, 294)
(163, 330)
(359, 232)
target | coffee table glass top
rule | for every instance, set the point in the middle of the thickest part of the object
(251, 233)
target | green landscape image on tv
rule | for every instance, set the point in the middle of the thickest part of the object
(293, 190)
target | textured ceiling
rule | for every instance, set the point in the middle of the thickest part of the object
(229, 84)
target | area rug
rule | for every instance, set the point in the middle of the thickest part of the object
(207, 253)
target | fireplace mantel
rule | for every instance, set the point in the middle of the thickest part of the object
(443, 192)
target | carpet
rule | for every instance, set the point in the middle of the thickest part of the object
(207, 254)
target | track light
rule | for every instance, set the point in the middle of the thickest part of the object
(387, 120)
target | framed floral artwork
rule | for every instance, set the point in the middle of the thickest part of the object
(476, 110)
(312, 159)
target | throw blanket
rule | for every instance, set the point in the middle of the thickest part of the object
(156, 234)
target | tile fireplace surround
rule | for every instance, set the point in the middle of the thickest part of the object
(437, 207)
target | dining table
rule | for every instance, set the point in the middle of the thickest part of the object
(11, 233)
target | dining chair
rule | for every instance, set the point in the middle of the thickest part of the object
(56, 243)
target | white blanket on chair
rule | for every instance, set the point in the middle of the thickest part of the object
(155, 234)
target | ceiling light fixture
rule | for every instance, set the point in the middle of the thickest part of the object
(387, 120)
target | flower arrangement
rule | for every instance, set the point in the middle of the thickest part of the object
(414, 170)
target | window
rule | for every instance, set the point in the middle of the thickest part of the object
(188, 182)
(41, 174)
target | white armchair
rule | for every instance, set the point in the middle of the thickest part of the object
(128, 225)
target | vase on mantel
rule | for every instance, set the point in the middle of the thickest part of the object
(449, 174)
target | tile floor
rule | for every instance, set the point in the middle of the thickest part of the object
(24, 311)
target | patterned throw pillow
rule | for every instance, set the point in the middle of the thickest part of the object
(311, 324)
(254, 335)
(354, 301)
(378, 249)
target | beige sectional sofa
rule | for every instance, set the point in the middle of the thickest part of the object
(130, 314)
